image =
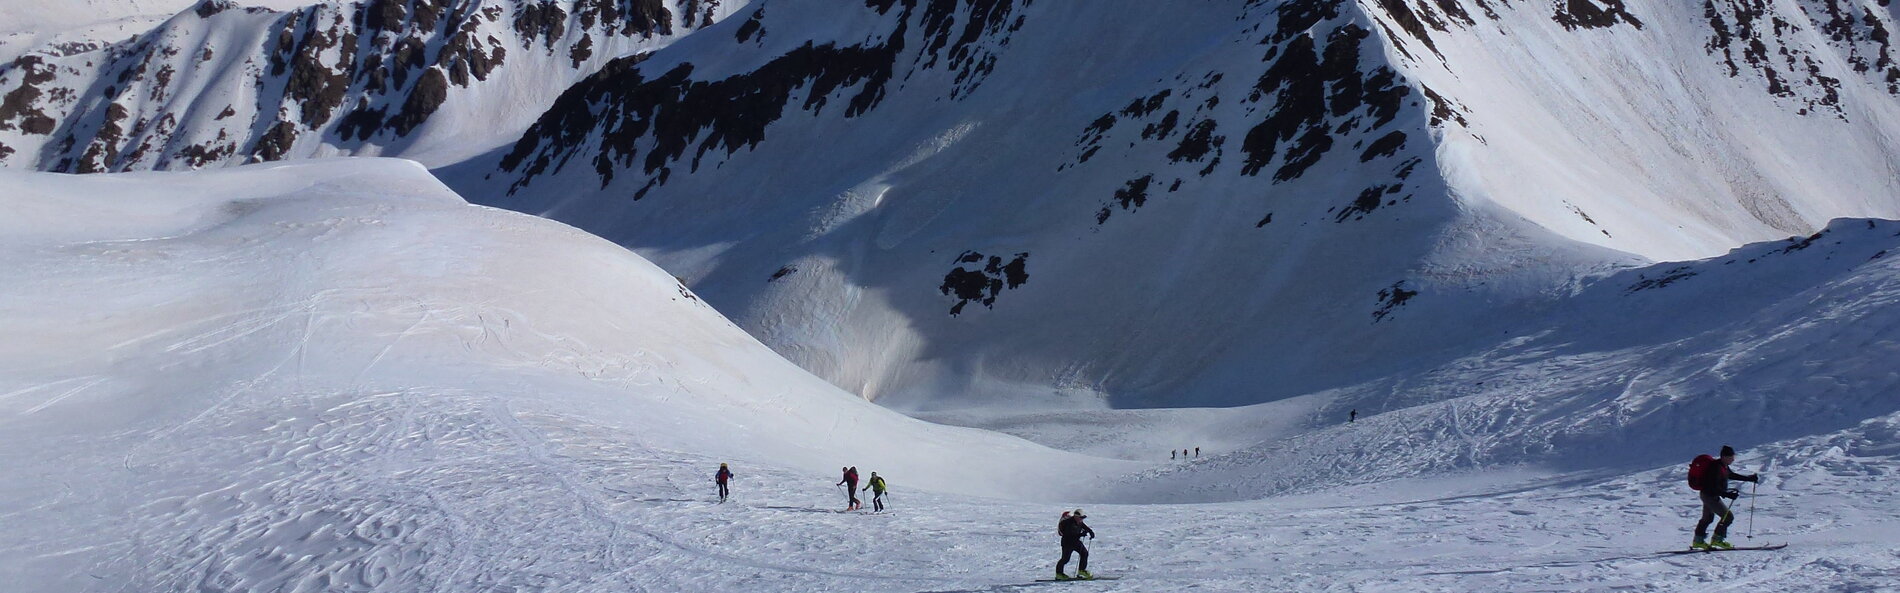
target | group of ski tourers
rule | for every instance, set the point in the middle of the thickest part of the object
(876, 485)
(1709, 476)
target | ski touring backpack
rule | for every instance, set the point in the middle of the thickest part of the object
(1699, 470)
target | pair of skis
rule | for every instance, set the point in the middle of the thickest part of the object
(1689, 551)
(1734, 549)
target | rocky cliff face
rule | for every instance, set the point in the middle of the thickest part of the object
(222, 83)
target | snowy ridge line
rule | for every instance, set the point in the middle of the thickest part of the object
(220, 83)
(657, 109)
(1774, 341)
(1692, 146)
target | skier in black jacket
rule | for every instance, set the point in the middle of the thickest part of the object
(1713, 488)
(1072, 529)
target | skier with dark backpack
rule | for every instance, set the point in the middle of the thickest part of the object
(1071, 528)
(722, 476)
(1709, 476)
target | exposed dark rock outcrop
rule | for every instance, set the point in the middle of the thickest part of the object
(983, 279)
(1752, 38)
(1305, 91)
(19, 108)
(1316, 92)
(1129, 197)
(1391, 298)
(1594, 14)
(1667, 278)
(624, 106)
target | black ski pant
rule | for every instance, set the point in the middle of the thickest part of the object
(851, 495)
(1712, 507)
(877, 501)
(1082, 553)
(722, 491)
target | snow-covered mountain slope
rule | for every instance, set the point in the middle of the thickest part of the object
(1669, 129)
(1772, 342)
(71, 26)
(338, 376)
(221, 82)
(192, 360)
(944, 203)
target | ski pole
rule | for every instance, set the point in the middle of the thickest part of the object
(1753, 492)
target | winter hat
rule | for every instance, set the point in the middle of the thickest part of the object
(1078, 513)
(1728, 451)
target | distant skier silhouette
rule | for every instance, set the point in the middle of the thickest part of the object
(1709, 476)
(850, 483)
(1197, 451)
(724, 474)
(876, 486)
(1172, 454)
(1353, 417)
(1071, 528)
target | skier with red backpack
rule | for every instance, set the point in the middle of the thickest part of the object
(1709, 476)
(721, 477)
(850, 483)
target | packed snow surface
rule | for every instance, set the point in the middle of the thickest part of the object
(339, 376)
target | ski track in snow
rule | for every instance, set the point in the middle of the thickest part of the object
(473, 491)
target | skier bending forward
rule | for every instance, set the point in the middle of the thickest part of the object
(1072, 529)
(850, 483)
